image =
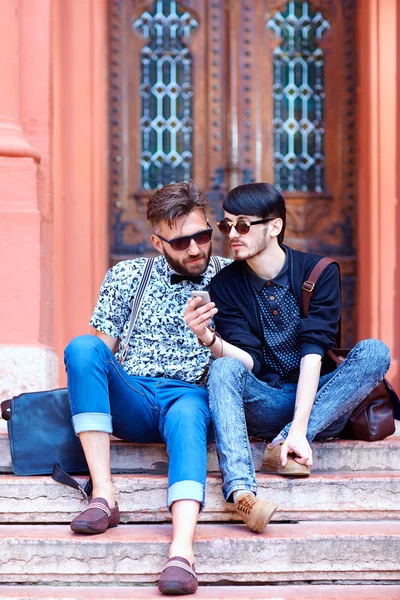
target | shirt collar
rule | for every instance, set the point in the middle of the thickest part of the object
(281, 279)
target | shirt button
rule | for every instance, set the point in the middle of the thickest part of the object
(268, 283)
(272, 297)
(275, 312)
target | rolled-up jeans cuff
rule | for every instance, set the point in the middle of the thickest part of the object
(285, 431)
(186, 490)
(90, 421)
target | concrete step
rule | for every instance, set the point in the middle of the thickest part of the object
(334, 455)
(229, 553)
(265, 592)
(325, 496)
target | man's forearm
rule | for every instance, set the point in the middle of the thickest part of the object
(198, 318)
(221, 348)
(310, 370)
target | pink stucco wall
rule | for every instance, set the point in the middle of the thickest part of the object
(378, 176)
(53, 178)
(53, 181)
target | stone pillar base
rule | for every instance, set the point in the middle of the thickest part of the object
(27, 369)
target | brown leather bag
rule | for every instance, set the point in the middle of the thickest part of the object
(373, 419)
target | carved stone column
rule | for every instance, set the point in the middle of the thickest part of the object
(26, 359)
(13, 141)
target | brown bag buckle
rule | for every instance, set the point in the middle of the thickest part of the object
(308, 286)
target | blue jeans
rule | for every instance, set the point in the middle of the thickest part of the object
(240, 404)
(103, 397)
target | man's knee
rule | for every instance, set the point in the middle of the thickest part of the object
(82, 349)
(226, 368)
(189, 410)
(188, 416)
(375, 356)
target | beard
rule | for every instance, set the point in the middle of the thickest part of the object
(246, 251)
(185, 266)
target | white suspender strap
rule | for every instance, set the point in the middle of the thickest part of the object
(216, 263)
(137, 301)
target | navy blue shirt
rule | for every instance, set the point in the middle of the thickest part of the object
(238, 320)
(280, 319)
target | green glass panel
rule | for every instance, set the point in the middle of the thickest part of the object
(298, 94)
(166, 93)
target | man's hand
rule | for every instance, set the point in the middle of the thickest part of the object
(297, 444)
(198, 319)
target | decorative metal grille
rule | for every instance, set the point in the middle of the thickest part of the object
(298, 94)
(166, 91)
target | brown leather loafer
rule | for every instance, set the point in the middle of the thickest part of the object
(271, 463)
(96, 518)
(178, 578)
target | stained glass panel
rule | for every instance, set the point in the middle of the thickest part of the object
(298, 95)
(166, 93)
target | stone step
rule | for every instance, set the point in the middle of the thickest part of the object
(229, 553)
(265, 592)
(325, 496)
(334, 455)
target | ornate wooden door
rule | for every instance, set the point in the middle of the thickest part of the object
(234, 91)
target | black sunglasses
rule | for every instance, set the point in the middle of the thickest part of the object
(242, 226)
(181, 243)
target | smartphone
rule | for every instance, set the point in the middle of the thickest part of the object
(205, 297)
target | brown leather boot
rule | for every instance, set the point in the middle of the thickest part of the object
(255, 513)
(272, 463)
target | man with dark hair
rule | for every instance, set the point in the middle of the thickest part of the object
(284, 386)
(158, 395)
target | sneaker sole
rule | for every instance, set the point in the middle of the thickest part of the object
(265, 518)
(299, 471)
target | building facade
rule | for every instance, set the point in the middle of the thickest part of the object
(102, 101)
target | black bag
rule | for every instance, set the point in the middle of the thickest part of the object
(41, 433)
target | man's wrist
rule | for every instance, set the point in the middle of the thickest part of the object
(210, 338)
(299, 428)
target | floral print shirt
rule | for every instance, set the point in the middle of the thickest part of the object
(161, 344)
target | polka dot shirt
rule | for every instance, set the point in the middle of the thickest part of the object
(280, 318)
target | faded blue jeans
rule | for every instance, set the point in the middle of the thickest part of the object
(241, 404)
(103, 397)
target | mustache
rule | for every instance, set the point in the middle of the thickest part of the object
(188, 260)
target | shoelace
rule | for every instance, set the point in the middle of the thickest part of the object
(246, 503)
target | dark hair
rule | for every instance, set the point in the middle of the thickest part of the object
(174, 201)
(258, 200)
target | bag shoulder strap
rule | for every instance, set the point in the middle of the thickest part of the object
(216, 264)
(309, 284)
(62, 477)
(308, 288)
(137, 301)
